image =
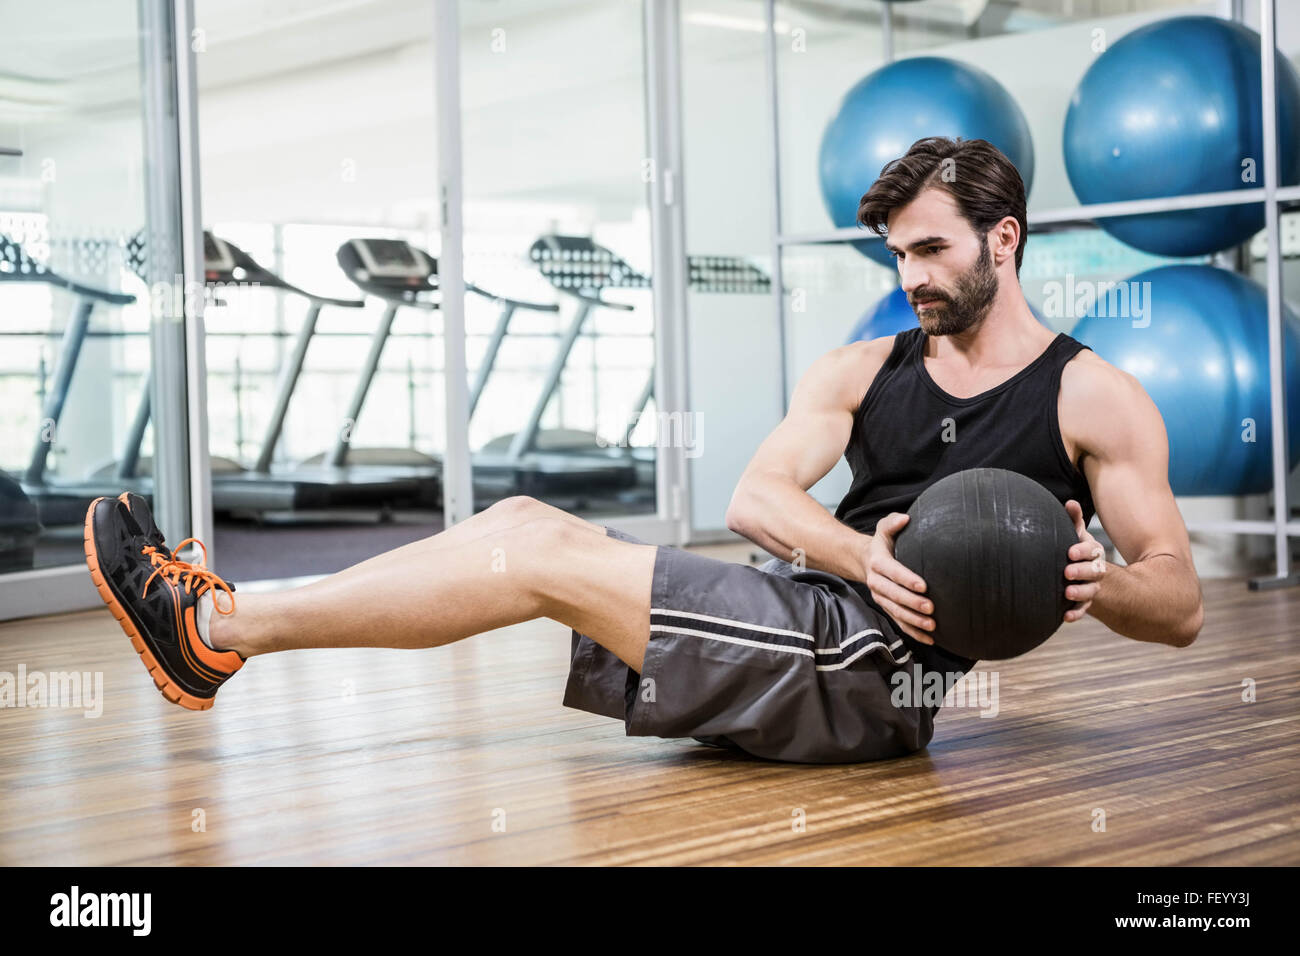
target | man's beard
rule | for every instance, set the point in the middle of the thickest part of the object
(968, 303)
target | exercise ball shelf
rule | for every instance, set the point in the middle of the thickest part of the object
(1050, 220)
(1273, 99)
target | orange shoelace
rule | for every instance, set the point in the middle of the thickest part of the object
(184, 574)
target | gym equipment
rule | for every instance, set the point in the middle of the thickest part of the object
(1171, 109)
(63, 501)
(582, 270)
(886, 112)
(308, 486)
(891, 315)
(991, 546)
(405, 276)
(20, 527)
(400, 478)
(1203, 359)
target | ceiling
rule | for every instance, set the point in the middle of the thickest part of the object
(70, 55)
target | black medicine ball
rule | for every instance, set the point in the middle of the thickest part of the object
(991, 546)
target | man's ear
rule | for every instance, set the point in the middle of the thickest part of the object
(1005, 238)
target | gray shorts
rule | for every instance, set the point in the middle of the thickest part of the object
(779, 662)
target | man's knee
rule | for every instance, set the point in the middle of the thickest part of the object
(548, 536)
(518, 509)
(548, 551)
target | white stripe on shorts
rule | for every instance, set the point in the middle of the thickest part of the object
(786, 648)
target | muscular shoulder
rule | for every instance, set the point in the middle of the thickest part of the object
(1104, 409)
(844, 374)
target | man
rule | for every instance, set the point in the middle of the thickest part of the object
(790, 661)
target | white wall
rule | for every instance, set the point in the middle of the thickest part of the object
(733, 340)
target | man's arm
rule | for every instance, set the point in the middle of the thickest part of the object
(771, 505)
(1156, 596)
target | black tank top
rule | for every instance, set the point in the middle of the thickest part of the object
(908, 433)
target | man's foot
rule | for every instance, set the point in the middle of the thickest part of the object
(154, 597)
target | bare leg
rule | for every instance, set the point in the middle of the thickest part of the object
(506, 513)
(545, 567)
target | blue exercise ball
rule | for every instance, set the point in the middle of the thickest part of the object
(910, 99)
(891, 315)
(1203, 359)
(1172, 109)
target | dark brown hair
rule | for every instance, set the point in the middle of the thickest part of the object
(986, 185)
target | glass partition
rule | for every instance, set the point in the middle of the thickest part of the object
(556, 172)
(325, 394)
(81, 112)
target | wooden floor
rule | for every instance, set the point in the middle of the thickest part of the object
(463, 755)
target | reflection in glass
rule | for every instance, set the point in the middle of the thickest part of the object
(74, 318)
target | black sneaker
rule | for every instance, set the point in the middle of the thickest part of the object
(154, 596)
(143, 517)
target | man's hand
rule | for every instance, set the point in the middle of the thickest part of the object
(896, 589)
(1087, 567)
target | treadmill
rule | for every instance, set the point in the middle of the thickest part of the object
(20, 527)
(314, 485)
(63, 501)
(403, 275)
(262, 489)
(581, 269)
